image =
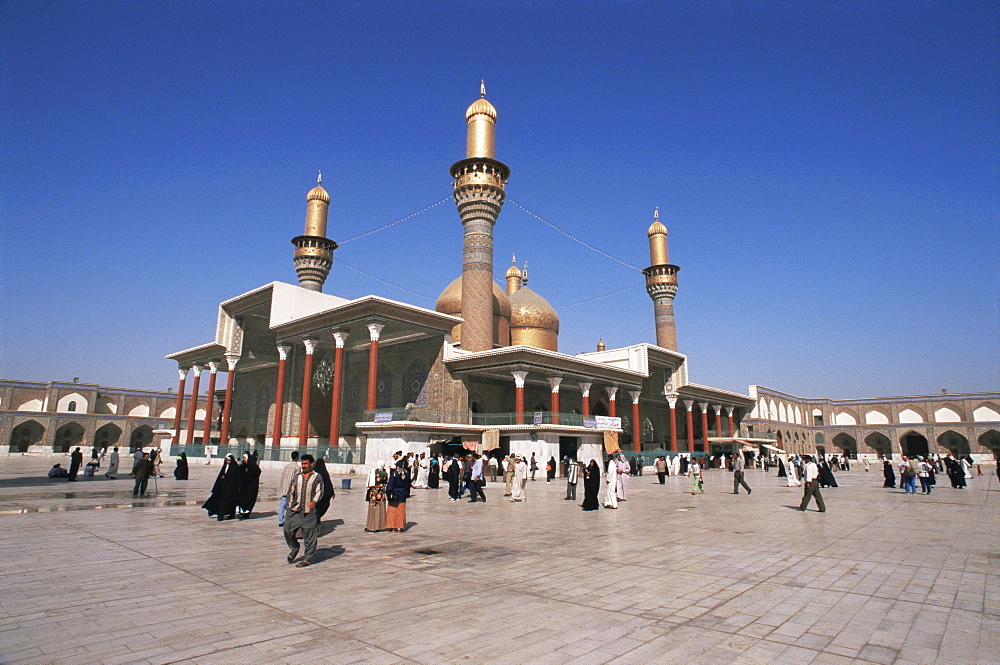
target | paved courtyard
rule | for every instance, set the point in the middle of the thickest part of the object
(89, 576)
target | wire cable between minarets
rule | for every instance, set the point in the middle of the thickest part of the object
(573, 237)
(382, 281)
(393, 223)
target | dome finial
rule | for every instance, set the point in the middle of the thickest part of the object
(513, 259)
(524, 275)
(319, 177)
(656, 214)
(482, 88)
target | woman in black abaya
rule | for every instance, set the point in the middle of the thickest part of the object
(781, 469)
(181, 470)
(591, 486)
(323, 504)
(826, 477)
(889, 474)
(249, 486)
(225, 492)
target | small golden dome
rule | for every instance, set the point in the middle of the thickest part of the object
(513, 272)
(601, 346)
(481, 107)
(317, 193)
(656, 229)
(450, 300)
(530, 310)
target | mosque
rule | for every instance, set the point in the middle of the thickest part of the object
(482, 370)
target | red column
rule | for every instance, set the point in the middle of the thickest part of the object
(338, 381)
(732, 428)
(636, 428)
(673, 424)
(690, 424)
(704, 424)
(554, 382)
(585, 398)
(179, 405)
(374, 329)
(612, 402)
(227, 408)
(719, 427)
(519, 378)
(189, 439)
(307, 371)
(206, 437)
(279, 394)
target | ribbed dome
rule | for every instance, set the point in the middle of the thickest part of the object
(481, 107)
(318, 193)
(530, 310)
(513, 271)
(450, 300)
(656, 229)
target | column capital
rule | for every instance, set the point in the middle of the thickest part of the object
(612, 392)
(311, 345)
(196, 368)
(729, 410)
(672, 400)
(182, 372)
(688, 403)
(283, 350)
(231, 360)
(585, 388)
(374, 330)
(519, 378)
(717, 408)
(635, 395)
(554, 382)
(340, 337)
(703, 406)
(213, 366)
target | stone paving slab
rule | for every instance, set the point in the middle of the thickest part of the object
(91, 576)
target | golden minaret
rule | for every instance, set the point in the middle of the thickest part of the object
(479, 195)
(313, 250)
(661, 284)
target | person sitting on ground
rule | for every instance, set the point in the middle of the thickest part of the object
(91, 466)
(58, 472)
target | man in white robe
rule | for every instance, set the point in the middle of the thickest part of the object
(520, 480)
(621, 489)
(611, 484)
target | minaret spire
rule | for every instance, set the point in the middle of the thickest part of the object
(479, 195)
(661, 284)
(313, 250)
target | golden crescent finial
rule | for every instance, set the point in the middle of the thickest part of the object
(319, 178)
(513, 259)
(656, 214)
(482, 88)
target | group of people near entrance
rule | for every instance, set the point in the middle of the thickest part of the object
(924, 468)
(234, 492)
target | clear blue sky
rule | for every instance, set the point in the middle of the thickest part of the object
(828, 173)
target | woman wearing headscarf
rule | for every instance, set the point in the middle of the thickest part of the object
(397, 490)
(225, 492)
(249, 485)
(826, 477)
(434, 475)
(781, 468)
(889, 474)
(181, 470)
(324, 503)
(591, 486)
(378, 478)
(452, 474)
(550, 470)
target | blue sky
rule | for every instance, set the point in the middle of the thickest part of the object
(828, 173)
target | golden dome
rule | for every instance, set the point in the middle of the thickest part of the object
(513, 272)
(481, 107)
(656, 229)
(530, 310)
(317, 193)
(450, 300)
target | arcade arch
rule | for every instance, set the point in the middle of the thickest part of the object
(880, 443)
(846, 443)
(72, 402)
(912, 415)
(845, 417)
(68, 436)
(107, 436)
(26, 434)
(878, 416)
(990, 439)
(955, 442)
(914, 444)
(142, 437)
(947, 414)
(986, 412)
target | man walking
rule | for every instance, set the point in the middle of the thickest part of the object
(476, 480)
(810, 474)
(113, 465)
(288, 474)
(304, 493)
(661, 469)
(143, 469)
(738, 465)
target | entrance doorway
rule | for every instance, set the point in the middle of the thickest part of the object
(914, 444)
